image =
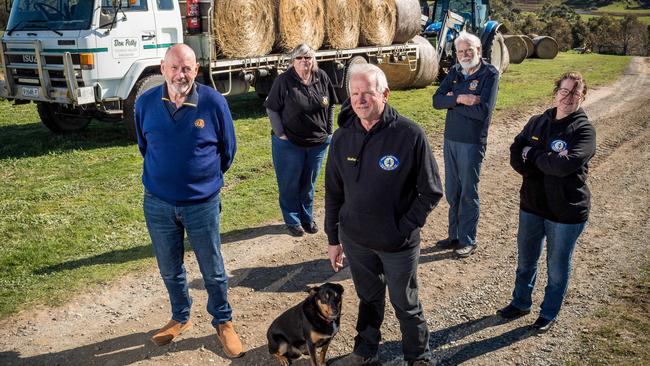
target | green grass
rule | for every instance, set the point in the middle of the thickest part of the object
(70, 206)
(642, 19)
(622, 7)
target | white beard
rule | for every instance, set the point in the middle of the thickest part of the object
(470, 64)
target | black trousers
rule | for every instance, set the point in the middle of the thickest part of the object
(372, 271)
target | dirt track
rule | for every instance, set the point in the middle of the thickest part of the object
(112, 325)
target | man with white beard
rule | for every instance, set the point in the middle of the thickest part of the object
(468, 93)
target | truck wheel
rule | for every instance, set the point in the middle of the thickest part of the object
(495, 53)
(342, 93)
(60, 119)
(128, 112)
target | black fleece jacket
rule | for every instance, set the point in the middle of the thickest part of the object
(380, 185)
(555, 169)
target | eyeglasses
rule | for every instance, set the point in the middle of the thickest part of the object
(566, 92)
(468, 51)
(307, 58)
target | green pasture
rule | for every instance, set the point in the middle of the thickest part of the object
(70, 206)
(642, 19)
(629, 7)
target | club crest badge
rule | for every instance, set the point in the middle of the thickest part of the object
(558, 146)
(325, 102)
(473, 85)
(199, 123)
(388, 162)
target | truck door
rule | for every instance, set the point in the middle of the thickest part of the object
(169, 25)
(132, 36)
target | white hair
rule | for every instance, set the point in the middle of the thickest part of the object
(369, 70)
(303, 49)
(468, 38)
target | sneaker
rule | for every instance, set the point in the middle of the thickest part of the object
(170, 331)
(310, 227)
(543, 325)
(295, 231)
(465, 251)
(512, 312)
(230, 342)
(447, 243)
(354, 359)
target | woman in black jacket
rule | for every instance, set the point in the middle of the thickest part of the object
(551, 154)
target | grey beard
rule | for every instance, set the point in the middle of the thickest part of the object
(469, 65)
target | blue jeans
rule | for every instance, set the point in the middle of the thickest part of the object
(560, 242)
(167, 225)
(296, 169)
(462, 170)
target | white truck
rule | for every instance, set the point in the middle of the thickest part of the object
(84, 59)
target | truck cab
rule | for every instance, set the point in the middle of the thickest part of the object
(79, 59)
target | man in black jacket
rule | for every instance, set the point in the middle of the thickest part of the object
(381, 183)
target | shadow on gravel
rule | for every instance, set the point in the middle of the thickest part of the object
(119, 351)
(433, 254)
(251, 233)
(391, 352)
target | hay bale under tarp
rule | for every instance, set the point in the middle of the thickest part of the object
(529, 45)
(408, 20)
(516, 48)
(545, 47)
(301, 21)
(342, 19)
(378, 19)
(427, 70)
(244, 28)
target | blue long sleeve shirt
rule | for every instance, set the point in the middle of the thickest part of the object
(468, 124)
(185, 158)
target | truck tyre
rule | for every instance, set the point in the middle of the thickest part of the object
(496, 53)
(128, 112)
(60, 119)
(342, 92)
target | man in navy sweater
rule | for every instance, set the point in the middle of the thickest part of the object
(468, 93)
(187, 139)
(381, 183)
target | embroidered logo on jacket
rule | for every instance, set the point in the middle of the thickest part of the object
(473, 85)
(558, 146)
(388, 162)
(199, 123)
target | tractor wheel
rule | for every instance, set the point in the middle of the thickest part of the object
(498, 53)
(128, 112)
(342, 93)
(61, 119)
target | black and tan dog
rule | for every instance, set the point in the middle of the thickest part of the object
(307, 326)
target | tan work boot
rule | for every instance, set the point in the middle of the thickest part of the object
(229, 340)
(170, 331)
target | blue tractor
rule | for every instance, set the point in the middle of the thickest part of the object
(446, 18)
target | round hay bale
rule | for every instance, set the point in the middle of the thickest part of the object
(427, 70)
(301, 21)
(378, 19)
(529, 45)
(342, 23)
(545, 47)
(516, 48)
(244, 28)
(408, 20)
(399, 75)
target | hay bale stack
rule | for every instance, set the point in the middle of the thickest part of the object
(529, 45)
(545, 47)
(301, 21)
(244, 28)
(378, 19)
(342, 23)
(427, 70)
(517, 49)
(408, 20)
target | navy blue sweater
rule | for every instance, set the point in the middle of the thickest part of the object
(468, 124)
(184, 160)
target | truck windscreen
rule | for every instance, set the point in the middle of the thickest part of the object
(50, 14)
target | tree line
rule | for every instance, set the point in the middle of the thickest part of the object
(602, 34)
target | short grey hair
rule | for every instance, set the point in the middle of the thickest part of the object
(370, 70)
(468, 38)
(303, 49)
